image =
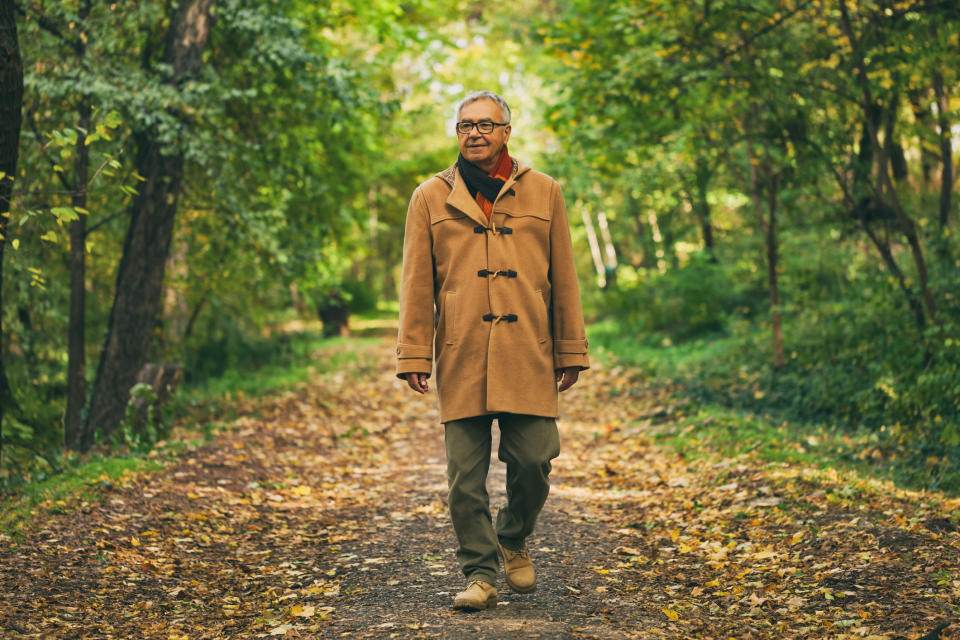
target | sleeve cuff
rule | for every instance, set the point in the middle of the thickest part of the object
(570, 353)
(414, 351)
(414, 358)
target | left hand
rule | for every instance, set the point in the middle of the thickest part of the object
(567, 377)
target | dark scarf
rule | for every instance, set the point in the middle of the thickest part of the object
(479, 181)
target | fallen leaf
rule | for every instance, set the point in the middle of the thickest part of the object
(281, 630)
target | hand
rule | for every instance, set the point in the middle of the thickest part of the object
(417, 382)
(567, 377)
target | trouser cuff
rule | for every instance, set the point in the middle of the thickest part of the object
(511, 543)
(491, 580)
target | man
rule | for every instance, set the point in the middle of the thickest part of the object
(487, 244)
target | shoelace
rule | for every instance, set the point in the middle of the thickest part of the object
(521, 554)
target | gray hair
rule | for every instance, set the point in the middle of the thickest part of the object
(489, 95)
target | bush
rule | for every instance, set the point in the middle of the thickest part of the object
(683, 303)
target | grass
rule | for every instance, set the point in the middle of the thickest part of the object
(63, 492)
(706, 427)
(298, 358)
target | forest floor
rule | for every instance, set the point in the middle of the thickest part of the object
(321, 513)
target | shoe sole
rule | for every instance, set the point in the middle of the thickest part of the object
(464, 606)
(517, 589)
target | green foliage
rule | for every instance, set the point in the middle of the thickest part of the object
(144, 422)
(681, 303)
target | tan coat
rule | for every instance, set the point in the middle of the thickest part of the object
(505, 292)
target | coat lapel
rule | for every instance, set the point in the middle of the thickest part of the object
(460, 200)
(505, 192)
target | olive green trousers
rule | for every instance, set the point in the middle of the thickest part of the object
(527, 445)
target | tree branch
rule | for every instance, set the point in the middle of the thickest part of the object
(50, 26)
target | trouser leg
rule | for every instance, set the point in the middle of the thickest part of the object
(527, 445)
(468, 460)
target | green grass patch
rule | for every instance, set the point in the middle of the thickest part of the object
(728, 410)
(294, 359)
(64, 492)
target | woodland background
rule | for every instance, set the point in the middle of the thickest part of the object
(761, 195)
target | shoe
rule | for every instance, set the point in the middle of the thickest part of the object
(478, 595)
(518, 569)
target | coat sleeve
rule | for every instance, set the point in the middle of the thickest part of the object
(569, 333)
(415, 337)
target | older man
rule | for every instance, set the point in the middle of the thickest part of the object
(489, 288)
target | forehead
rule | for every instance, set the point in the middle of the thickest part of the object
(482, 109)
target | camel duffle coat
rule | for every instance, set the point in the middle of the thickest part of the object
(495, 301)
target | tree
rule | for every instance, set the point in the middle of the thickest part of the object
(140, 276)
(11, 100)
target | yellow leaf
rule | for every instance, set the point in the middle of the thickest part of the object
(670, 613)
(135, 541)
(712, 583)
(302, 490)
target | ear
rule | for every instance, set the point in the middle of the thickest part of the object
(506, 134)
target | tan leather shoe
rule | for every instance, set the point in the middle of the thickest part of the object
(518, 569)
(478, 595)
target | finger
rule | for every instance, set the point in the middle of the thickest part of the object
(414, 381)
(569, 379)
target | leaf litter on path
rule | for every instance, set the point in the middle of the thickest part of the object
(322, 513)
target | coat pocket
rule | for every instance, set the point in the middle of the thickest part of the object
(543, 320)
(450, 317)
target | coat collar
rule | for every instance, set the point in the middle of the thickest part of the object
(460, 198)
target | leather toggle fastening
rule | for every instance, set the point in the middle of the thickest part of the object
(503, 317)
(481, 229)
(507, 273)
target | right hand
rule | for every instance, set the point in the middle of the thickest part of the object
(418, 382)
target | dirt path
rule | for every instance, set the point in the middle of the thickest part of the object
(324, 516)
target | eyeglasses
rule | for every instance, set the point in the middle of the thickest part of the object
(465, 126)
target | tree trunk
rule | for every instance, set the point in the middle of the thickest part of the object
(76, 327)
(11, 102)
(776, 319)
(946, 149)
(702, 207)
(768, 223)
(907, 227)
(883, 247)
(334, 313)
(146, 247)
(76, 342)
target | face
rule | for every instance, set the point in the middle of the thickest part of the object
(483, 149)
